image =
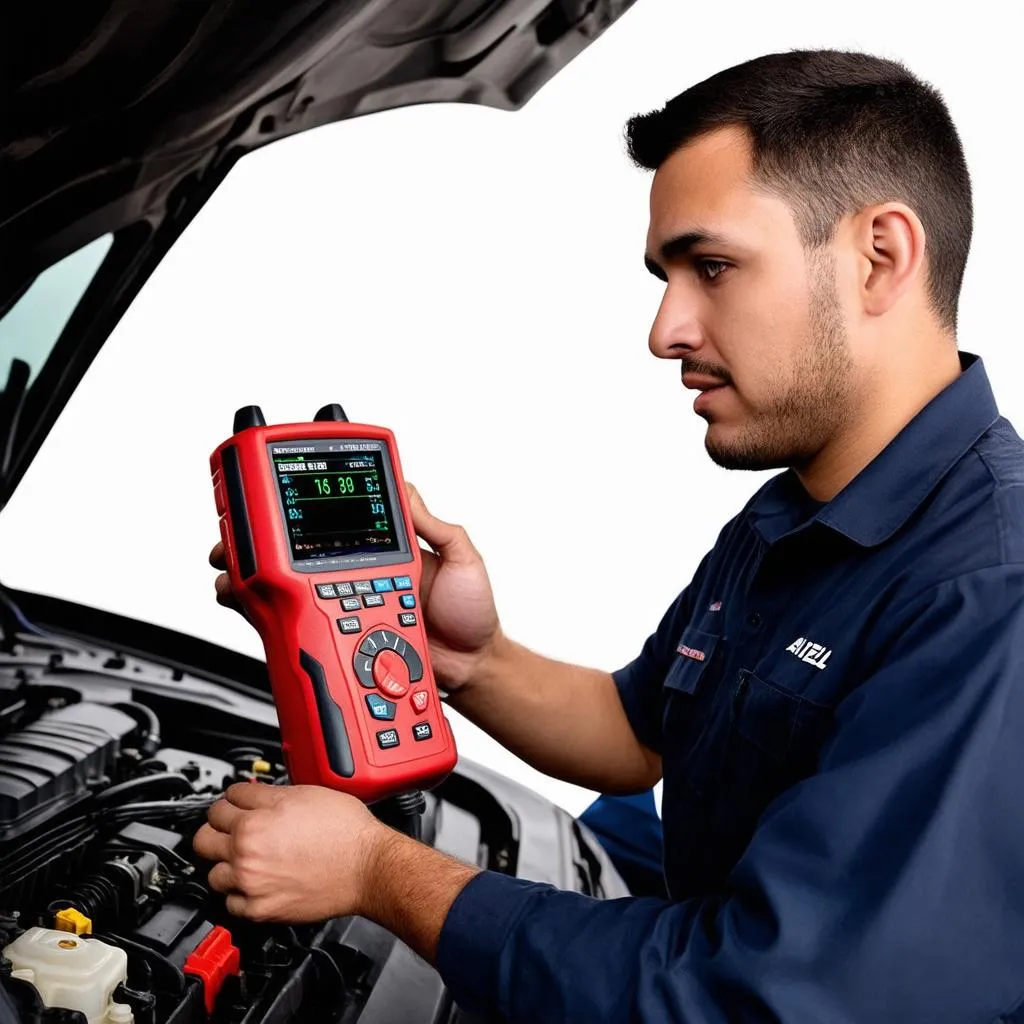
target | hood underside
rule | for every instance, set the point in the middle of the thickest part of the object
(122, 117)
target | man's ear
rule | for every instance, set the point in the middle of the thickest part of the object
(890, 243)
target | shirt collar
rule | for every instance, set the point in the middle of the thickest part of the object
(880, 499)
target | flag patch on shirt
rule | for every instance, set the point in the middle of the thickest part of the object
(715, 606)
(691, 652)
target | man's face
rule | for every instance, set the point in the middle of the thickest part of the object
(746, 306)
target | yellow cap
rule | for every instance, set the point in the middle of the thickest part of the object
(70, 920)
(261, 767)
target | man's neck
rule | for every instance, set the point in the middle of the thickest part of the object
(881, 415)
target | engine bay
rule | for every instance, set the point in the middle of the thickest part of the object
(104, 910)
(109, 760)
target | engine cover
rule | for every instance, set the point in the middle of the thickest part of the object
(47, 766)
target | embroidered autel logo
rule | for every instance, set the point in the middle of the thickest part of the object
(814, 654)
(691, 652)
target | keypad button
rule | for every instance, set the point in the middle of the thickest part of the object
(382, 649)
(392, 687)
(373, 600)
(349, 625)
(387, 738)
(379, 707)
(421, 731)
(412, 659)
(364, 671)
(344, 589)
(382, 586)
(380, 639)
(363, 587)
(391, 673)
(407, 600)
(407, 619)
(326, 590)
(403, 582)
(351, 604)
(419, 700)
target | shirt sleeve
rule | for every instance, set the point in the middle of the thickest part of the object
(885, 888)
(639, 683)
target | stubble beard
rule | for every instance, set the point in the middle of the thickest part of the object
(813, 396)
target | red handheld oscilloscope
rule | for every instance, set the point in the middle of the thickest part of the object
(323, 558)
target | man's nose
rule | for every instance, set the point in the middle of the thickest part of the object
(676, 330)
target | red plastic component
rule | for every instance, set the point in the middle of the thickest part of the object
(283, 605)
(213, 960)
(391, 674)
(420, 699)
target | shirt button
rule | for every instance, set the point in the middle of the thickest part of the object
(754, 620)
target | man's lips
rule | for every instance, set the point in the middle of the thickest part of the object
(700, 382)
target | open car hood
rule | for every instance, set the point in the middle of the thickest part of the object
(121, 117)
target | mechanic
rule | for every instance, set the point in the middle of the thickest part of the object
(836, 701)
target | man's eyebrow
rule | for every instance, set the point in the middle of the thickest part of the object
(678, 246)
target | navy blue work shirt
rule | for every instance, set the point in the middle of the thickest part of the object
(838, 700)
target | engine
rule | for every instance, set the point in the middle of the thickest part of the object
(105, 917)
(109, 761)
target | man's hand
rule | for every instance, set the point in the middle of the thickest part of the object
(455, 594)
(290, 853)
(302, 853)
(222, 585)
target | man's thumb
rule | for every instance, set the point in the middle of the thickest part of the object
(447, 539)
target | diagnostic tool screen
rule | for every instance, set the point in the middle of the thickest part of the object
(336, 498)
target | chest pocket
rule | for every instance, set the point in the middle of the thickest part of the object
(786, 728)
(733, 742)
(773, 740)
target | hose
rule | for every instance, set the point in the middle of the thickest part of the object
(163, 785)
(148, 722)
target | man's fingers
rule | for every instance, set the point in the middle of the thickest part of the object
(225, 595)
(222, 878)
(224, 815)
(236, 904)
(251, 796)
(211, 844)
(448, 540)
(217, 559)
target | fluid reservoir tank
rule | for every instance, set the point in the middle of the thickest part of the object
(73, 972)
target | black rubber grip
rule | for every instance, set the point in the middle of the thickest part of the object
(339, 753)
(239, 516)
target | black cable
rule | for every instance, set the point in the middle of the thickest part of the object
(312, 952)
(161, 967)
(186, 807)
(163, 784)
(148, 722)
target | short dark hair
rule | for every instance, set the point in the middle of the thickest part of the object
(832, 132)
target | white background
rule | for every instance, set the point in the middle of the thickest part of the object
(473, 279)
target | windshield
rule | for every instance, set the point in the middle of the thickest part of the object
(33, 324)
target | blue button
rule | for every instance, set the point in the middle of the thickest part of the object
(382, 585)
(379, 707)
(408, 600)
(403, 583)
